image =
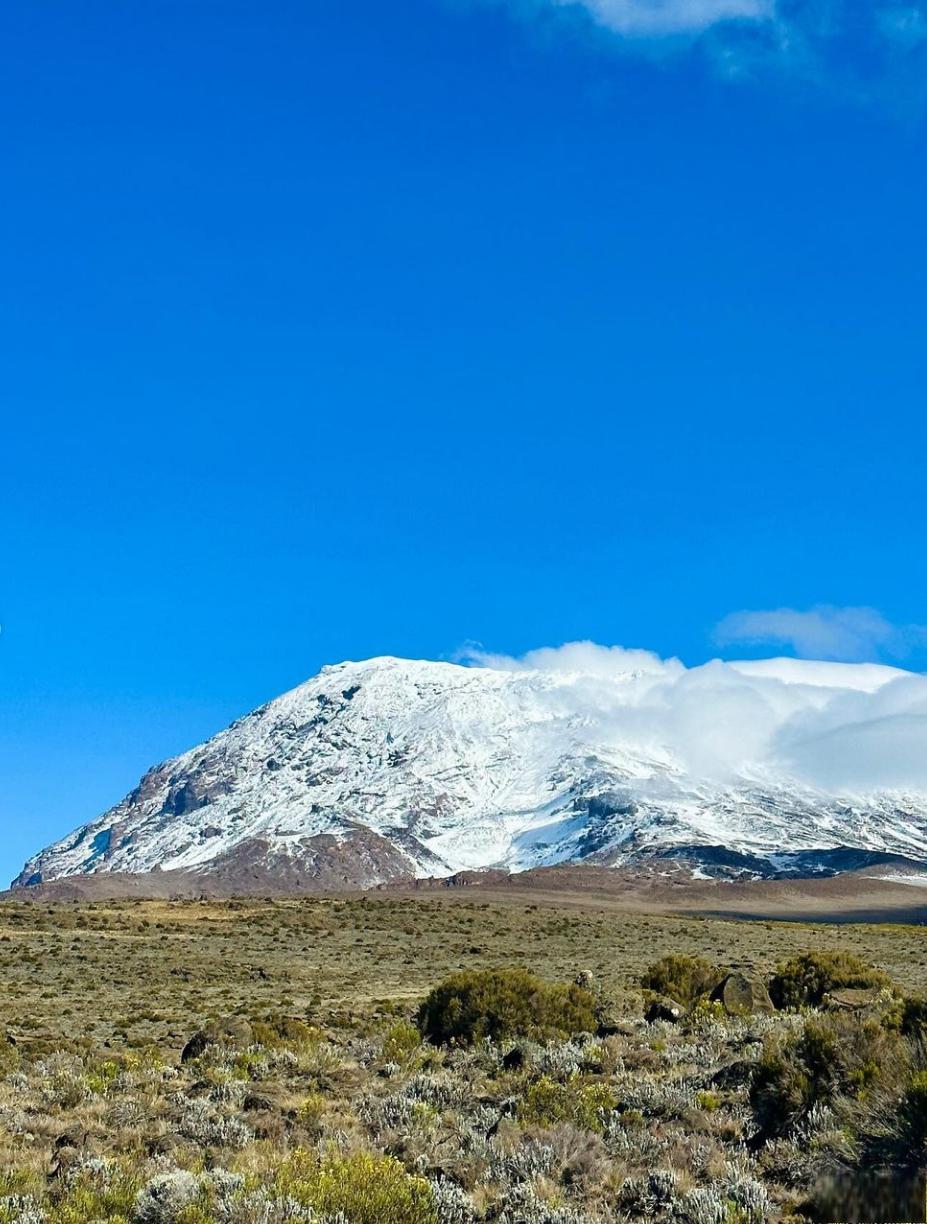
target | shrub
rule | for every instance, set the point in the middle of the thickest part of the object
(708, 1101)
(500, 1003)
(284, 1032)
(402, 1040)
(107, 1193)
(9, 1056)
(364, 1188)
(913, 1018)
(833, 1058)
(582, 1102)
(311, 1110)
(804, 980)
(913, 1113)
(165, 1197)
(683, 978)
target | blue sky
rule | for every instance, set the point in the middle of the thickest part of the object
(338, 330)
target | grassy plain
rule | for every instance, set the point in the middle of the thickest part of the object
(133, 973)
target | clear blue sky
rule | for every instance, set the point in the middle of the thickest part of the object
(334, 330)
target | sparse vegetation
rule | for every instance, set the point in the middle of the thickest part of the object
(312, 1098)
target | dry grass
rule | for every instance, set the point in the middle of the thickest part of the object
(133, 973)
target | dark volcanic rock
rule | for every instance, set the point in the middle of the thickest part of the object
(231, 1030)
(664, 1009)
(514, 1060)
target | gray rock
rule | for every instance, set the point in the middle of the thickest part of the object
(852, 998)
(742, 995)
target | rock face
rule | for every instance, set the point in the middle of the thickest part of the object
(390, 769)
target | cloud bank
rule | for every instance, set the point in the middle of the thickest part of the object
(842, 728)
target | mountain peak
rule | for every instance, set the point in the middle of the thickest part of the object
(388, 767)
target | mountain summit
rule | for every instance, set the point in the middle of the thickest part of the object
(390, 768)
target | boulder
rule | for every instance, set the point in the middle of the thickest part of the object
(742, 995)
(233, 1031)
(852, 998)
(733, 1074)
(664, 1009)
(514, 1060)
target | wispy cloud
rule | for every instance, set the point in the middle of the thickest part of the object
(586, 658)
(860, 49)
(822, 632)
(667, 17)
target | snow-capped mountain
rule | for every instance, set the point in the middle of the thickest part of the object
(389, 768)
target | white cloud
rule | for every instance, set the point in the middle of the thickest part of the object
(586, 658)
(842, 728)
(823, 632)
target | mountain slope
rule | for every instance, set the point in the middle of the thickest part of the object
(388, 768)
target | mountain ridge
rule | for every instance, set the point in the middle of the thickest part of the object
(388, 769)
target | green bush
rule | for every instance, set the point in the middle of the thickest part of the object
(833, 1059)
(912, 1018)
(914, 1108)
(284, 1032)
(804, 980)
(92, 1198)
(9, 1056)
(360, 1187)
(686, 979)
(401, 1041)
(500, 1003)
(580, 1101)
(708, 1101)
